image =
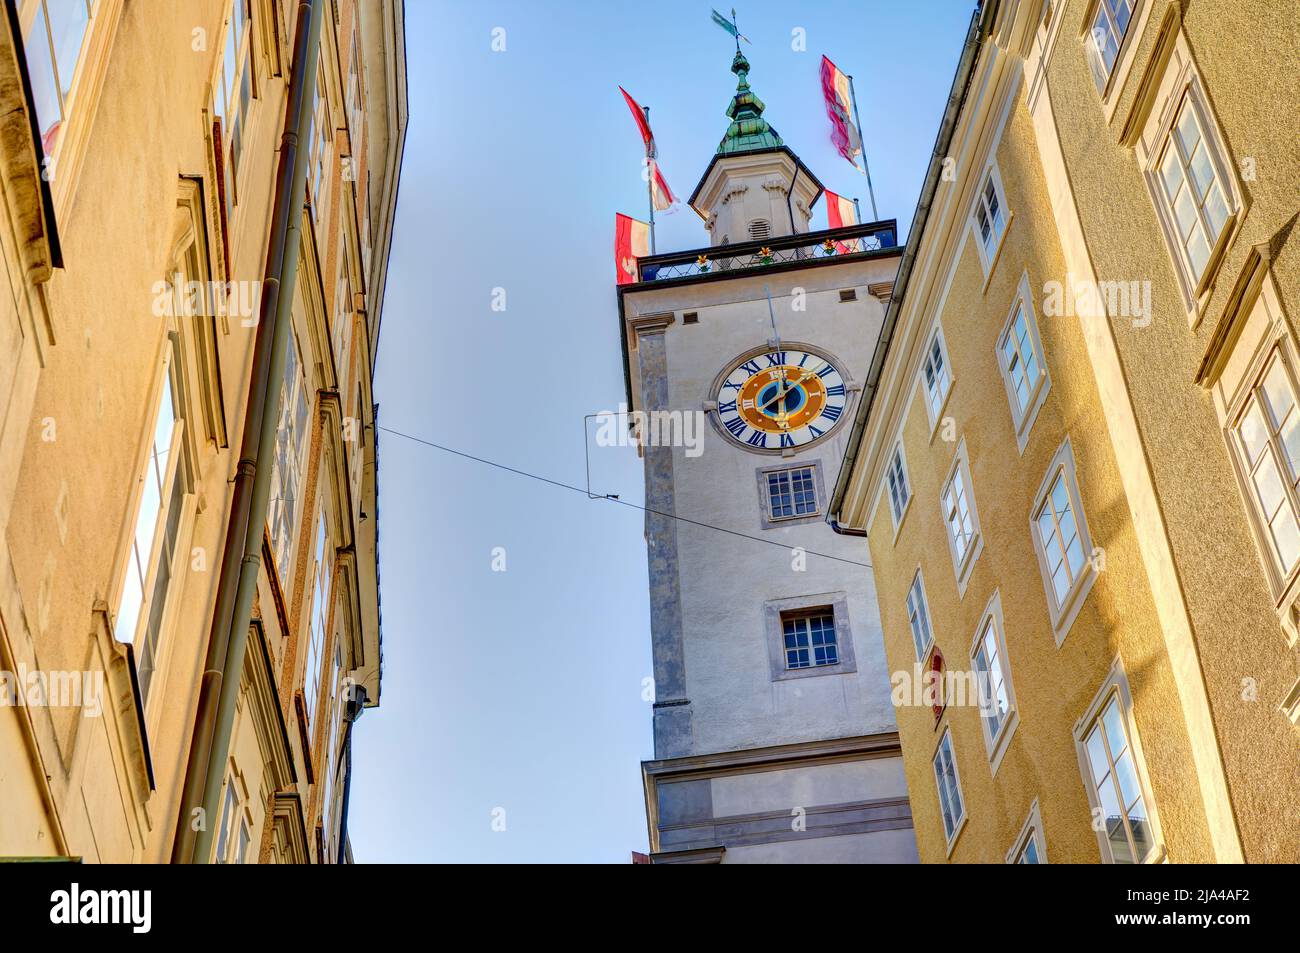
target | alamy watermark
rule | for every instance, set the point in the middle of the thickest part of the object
(1098, 299)
(655, 428)
(191, 299)
(35, 688)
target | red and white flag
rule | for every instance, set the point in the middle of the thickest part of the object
(840, 211)
(660, 194)
(631, 242)
(839, 103)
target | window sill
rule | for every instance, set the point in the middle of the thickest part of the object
(1025, 424)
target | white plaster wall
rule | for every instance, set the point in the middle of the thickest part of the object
(725, 580)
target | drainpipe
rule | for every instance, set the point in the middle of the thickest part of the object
(241, 554)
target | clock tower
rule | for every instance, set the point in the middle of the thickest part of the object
(774, 734)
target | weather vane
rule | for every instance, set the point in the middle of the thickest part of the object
(730, 27)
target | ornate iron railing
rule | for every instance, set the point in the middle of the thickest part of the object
(805, 247)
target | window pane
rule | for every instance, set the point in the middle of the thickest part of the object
(45, 93)
(1189, 135)
(1253, 433)
(68, 22)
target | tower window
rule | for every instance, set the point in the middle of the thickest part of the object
(850, 294)
(809, 638)
(760, 230)
(691, 317)
(791, 493)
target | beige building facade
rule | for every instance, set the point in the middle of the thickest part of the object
(141, 156)
(1075, 458)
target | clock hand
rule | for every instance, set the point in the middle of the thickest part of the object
(788, 385)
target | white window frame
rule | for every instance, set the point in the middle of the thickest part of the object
(1281, 577)
(897, 466)
(918, 605)
(1065, 610)
(990, 253)
(287, 479)
(963, 562)
(226, 849)
(1116, 686)
(1181, 87)
(995, 743)
(959, 823)
(322, 598)
(178, 474)
(935, 404)
(770, 519)
(1031, 832)
(234, 113)
(1022, 418)
(1108, 81)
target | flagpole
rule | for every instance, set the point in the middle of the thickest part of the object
(863, 139)
(650, 179)
(857, 212)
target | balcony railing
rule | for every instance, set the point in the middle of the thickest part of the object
(801, 248)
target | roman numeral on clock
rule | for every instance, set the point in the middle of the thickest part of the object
(775, 359)
(736, 425)
(758, 439)
(836, 391)
(727, 407)
(833, 411)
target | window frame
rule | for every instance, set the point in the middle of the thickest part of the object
(1104, 79)
(963, 563)
(1023, 418)
(766, 519)
(774, 613)
(934, 408)
(179, 475)
(1031, 832)
(916, 603)
(959, 823)
(287, 403)
(894, 471)
(989, 255)
(1115, 686)
(322, 596)
(1065, 609)
(995, 742)
(1182, 88)
(234, 132)
(1282, 580)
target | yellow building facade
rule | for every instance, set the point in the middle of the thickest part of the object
(141, 154)
(1074, 460)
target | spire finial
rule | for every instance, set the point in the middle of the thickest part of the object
(748, 129)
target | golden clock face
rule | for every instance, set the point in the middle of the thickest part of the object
(781, 399)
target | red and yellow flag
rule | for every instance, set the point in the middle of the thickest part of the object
(631, 242)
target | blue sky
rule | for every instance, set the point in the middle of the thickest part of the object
(517, 695)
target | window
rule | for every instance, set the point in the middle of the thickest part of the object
(945, 776)
(990, 218)
(1029, 847)
(1267, 441)
(1109, 26)
(286, 464)
(320, 144)
(997, 700)
(961, 517)
(809, 639)
(342, 329)
(1193, 190)
(938, 381)
(163, 486)
(1061, 539)
(232, 89)
(899, 492)
(809, 636)
(322, 567)
(54, 36)
(229, 817)
(1020, 357)
(918, 616)
(1114, 772)
(331, 744)
(241, 847)
(354, 104)
(791, 493)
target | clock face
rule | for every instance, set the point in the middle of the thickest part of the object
(781, 399)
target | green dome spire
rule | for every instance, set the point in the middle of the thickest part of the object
(748, 130)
